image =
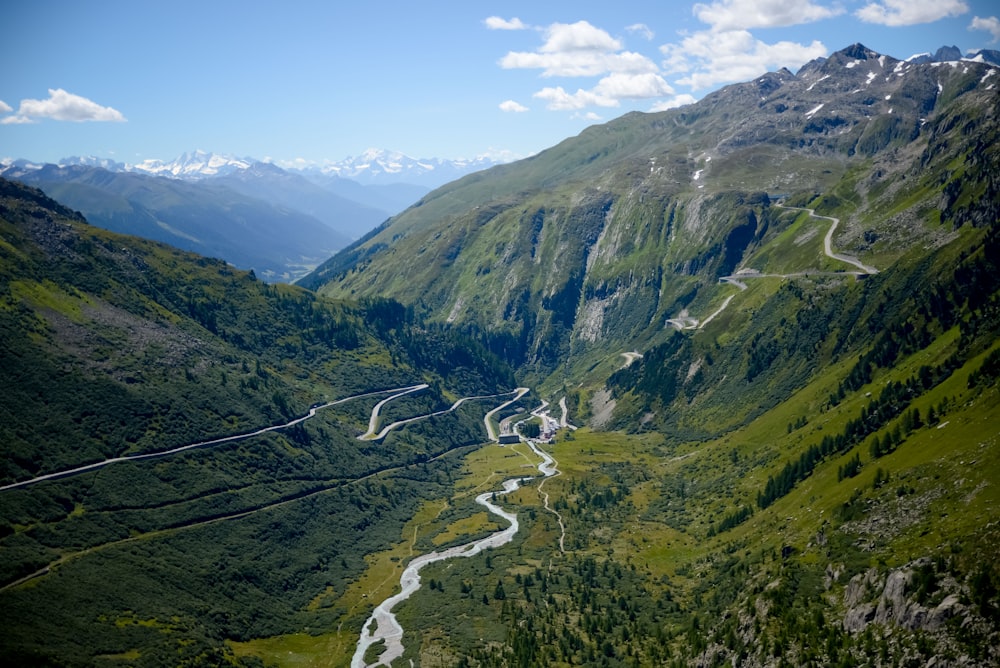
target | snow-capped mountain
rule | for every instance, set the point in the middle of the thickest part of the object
(953, 53)
(378, 166)
(373, 167)
(196, 164)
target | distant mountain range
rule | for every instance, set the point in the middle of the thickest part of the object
(376, 166)
(373, 167)
(253, 214)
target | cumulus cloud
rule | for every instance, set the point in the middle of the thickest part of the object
(674, 102)
(15, 120)
(710, 58)
(578, 50)
(497, 23)
(579, 36)
(910, 12)
(640, 29)
(584, 50)
(512, 106)
(727, 52)
(5, 108)
(990, 24)
(63, 106)
(578, 63)
(558, 99)
(608, 92)
(743, 14)
(620, 86)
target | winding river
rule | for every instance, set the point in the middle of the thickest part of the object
(382, 625)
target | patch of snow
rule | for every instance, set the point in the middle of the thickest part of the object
(852, 64)
(889, 96)
(809, 114)
(825, 76)
(871, 77)
(990, 72)
(881, 61)
(697, 175)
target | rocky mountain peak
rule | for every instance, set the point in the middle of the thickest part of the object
(858, 51)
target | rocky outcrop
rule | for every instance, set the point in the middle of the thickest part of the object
(891, 599)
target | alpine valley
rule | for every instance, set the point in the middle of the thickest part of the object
(753, 344)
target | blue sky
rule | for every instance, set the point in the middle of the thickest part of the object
(313, 81)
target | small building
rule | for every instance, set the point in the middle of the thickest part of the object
(508, 439)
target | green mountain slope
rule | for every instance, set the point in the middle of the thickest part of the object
(801, 462)
(592, 245)
(116, 347)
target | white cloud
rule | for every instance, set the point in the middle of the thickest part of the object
(63, 106)
(910, 12)
(608, 92)
(15, 120)
(674, 102)
(727, 52)
(620, 86)
(578, 50)
(578, 63)
(512, 106)
(710, 58)
(640, 29)
(5, 108)
(558, 99)
(583, 50)
(497, 23)
(990, 24)
(743, 14)
(579, 36)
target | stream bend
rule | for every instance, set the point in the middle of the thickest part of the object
(382, 625)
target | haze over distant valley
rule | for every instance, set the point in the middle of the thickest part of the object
(279, 222)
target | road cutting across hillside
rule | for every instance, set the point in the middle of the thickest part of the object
(211, 442)
(685, 321)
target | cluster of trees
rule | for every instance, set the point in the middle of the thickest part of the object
(733, 519)
(891, 403)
